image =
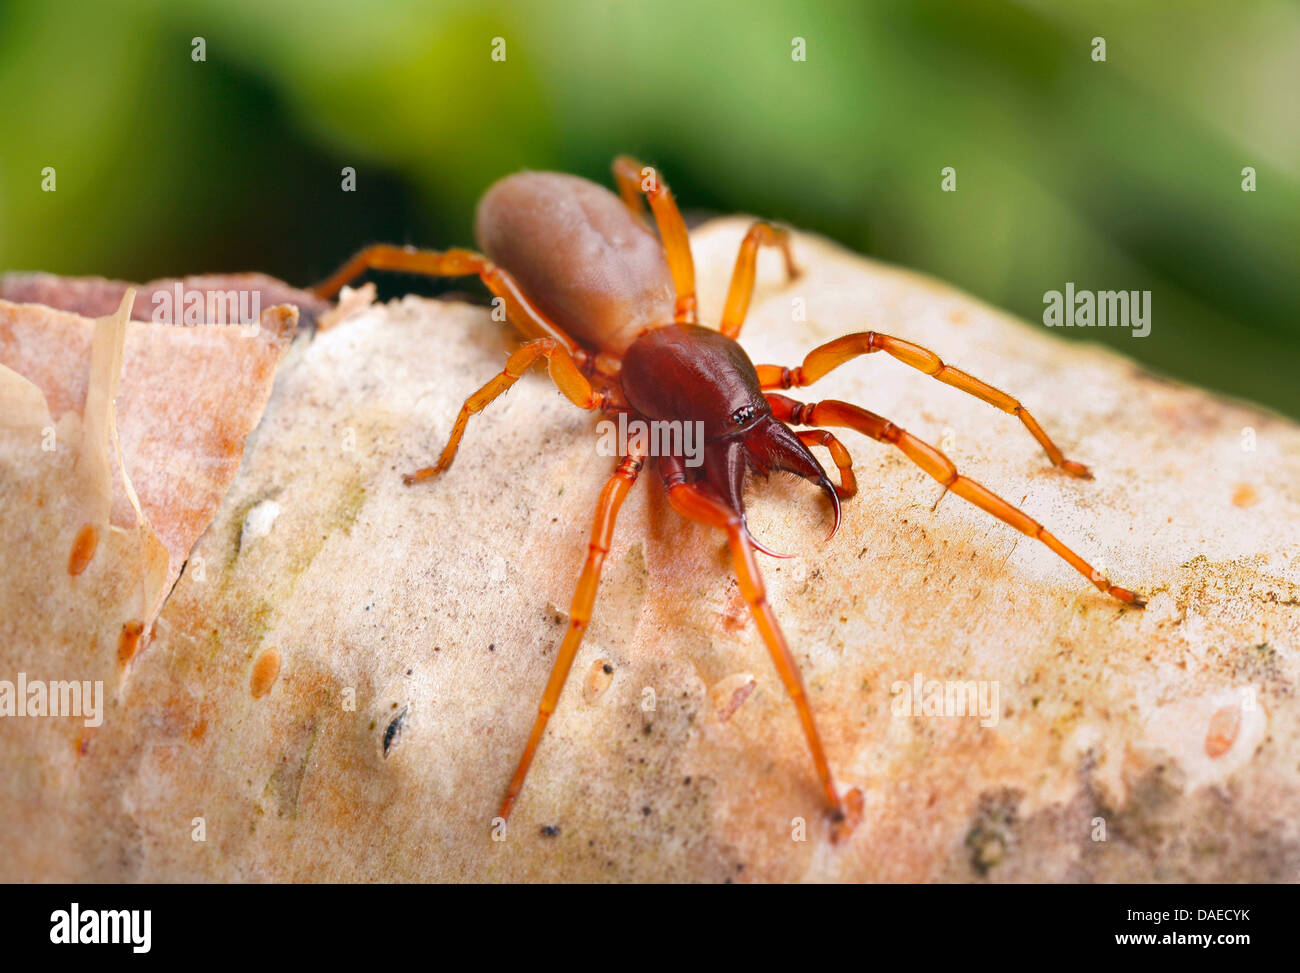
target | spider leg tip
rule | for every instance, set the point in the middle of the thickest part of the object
(1130, 598)
(419, 476)
(846, 814)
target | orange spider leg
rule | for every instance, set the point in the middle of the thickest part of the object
(742, 278)
(696, 504)
(843, 461)
(452, 263)
(564, 372)
(635, 179)
(831, 355)
(611, 498)
(831, 412)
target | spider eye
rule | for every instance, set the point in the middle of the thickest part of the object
(743, 415)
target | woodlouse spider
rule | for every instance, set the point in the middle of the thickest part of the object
(611, 307)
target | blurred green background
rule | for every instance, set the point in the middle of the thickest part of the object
(1117, 175)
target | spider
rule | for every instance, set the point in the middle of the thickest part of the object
(611, 307)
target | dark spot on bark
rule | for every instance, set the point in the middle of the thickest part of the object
(990, 834)
(393, 734)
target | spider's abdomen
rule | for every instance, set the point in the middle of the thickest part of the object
(580, 256)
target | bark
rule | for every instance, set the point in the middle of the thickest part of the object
(342, 693)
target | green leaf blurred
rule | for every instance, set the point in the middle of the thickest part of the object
(1117, 175)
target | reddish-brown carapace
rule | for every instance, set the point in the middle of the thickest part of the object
(611, 307)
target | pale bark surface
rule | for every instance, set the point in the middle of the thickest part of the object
(326, 581)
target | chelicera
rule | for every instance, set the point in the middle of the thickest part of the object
(612, 309)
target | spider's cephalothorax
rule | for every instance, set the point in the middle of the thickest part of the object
(711, 381)
(612, 309)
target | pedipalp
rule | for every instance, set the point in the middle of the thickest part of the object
(848, 486)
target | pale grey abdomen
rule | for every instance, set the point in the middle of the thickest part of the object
(583, 259)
